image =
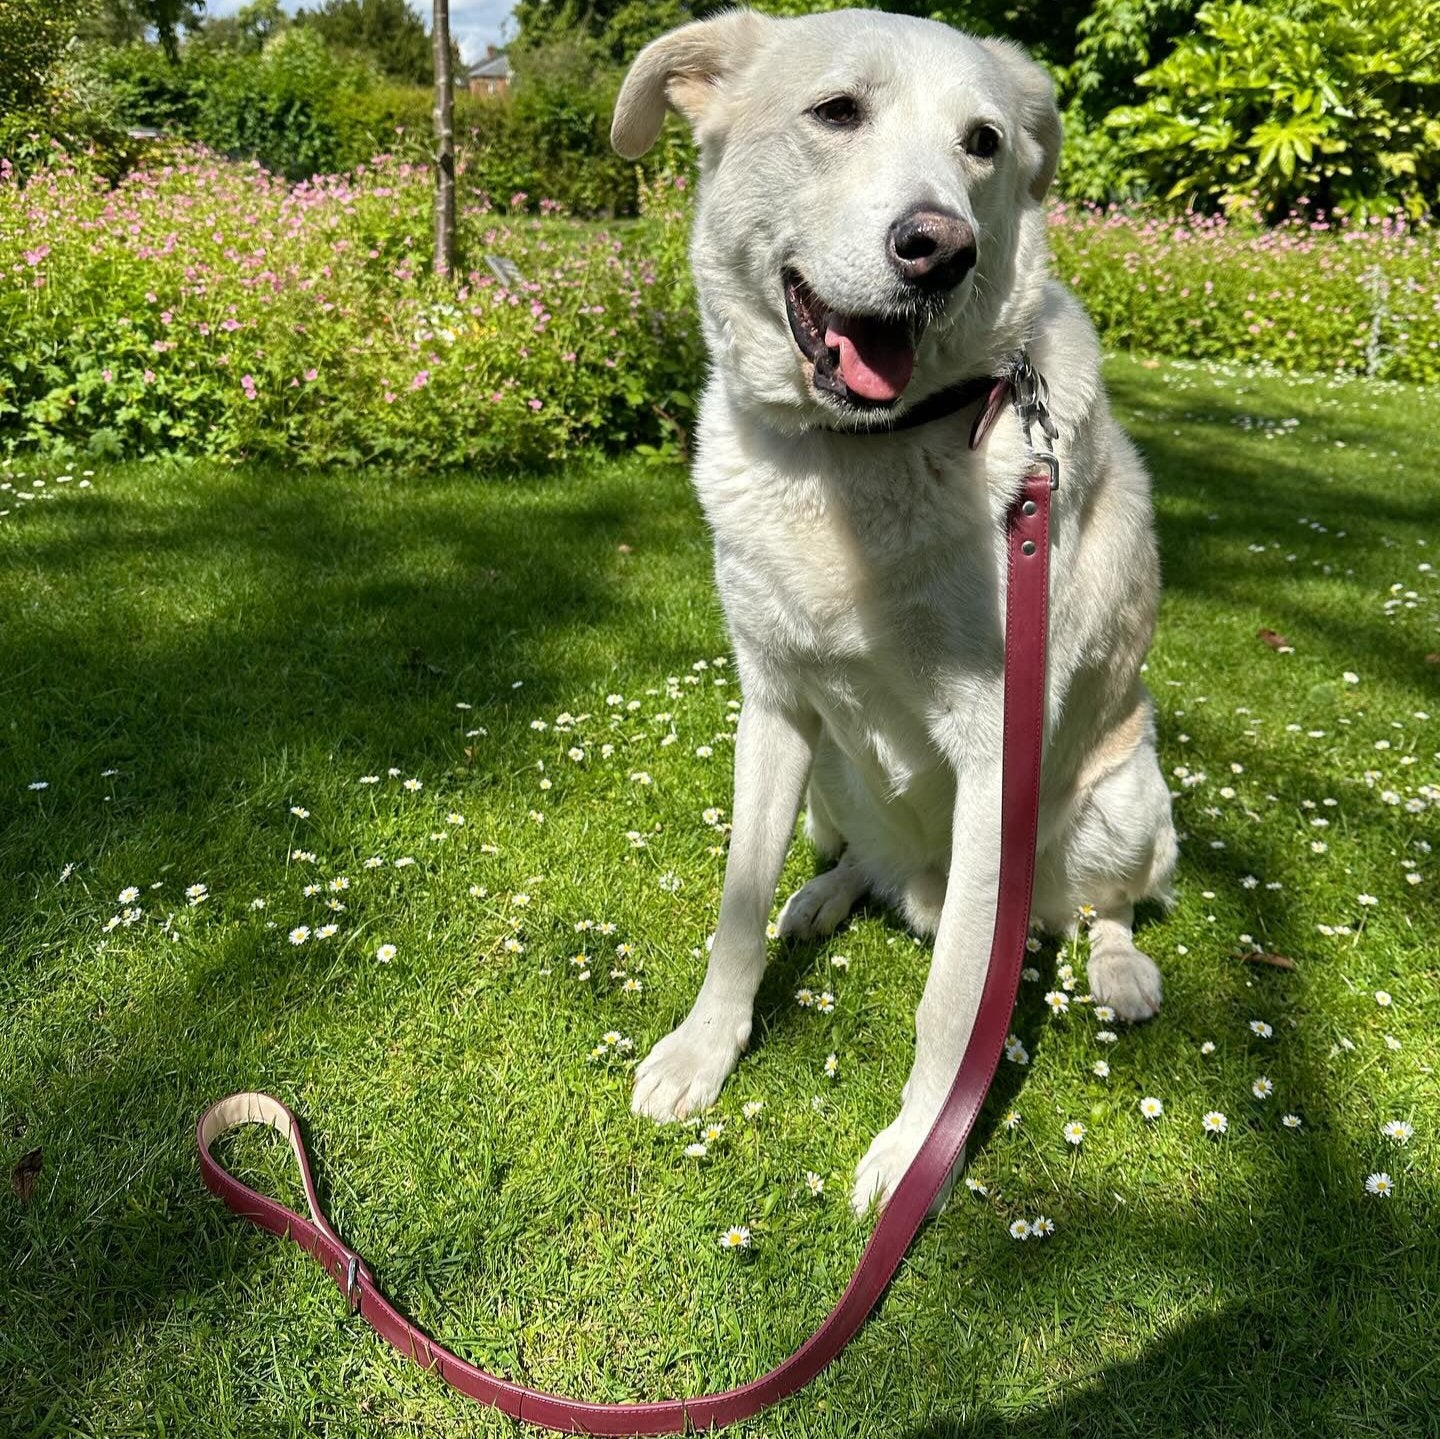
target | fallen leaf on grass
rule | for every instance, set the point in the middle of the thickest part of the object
(1275, 961)
(26, 1174)
(1273, 639)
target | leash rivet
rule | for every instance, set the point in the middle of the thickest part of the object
(1028, 548)
(1028, 507)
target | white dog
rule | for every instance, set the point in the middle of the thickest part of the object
(870, 233)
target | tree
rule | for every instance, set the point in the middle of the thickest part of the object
(444, 142)
(247, 30)
(387, 32)
(122, 22)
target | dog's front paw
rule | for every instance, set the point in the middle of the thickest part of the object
(683, 1073)
(890, 1155)
(1126, 980)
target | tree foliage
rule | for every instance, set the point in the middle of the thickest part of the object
(388, 33)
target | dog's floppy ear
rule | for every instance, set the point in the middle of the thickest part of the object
(1038, 112)
(684, 69)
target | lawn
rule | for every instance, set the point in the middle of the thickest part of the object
(204, 665)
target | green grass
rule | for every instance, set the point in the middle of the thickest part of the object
(227, 644)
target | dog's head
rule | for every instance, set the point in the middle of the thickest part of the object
(869, 227)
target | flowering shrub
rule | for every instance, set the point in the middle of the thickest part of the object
(206, 307)
(1306, 295)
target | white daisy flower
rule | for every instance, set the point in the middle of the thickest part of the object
(300, 934)
(1262, 1088)
(1020, 1229)
(1151, 1107)
(386, 953)
(1074, 1132)
(1397, 1130)
(1215, 1123)
(736, 1237)
(1380, 1184)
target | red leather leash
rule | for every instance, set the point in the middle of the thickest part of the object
(1026, 602)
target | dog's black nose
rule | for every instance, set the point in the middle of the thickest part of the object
(932, 249)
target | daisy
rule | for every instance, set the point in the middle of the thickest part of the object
(1382, 998)
(413, 785)
(1074, 1132)
(632, 985)
(1058, 1001)
(832, 1066)
(299, 811)
(1016, 1052)
(975, 1187)
(386, 953)
(825, 1003)
(326, 931)
(805, 998)
(737, 1237)
(1397, 1130)
(129, 895)
(1020, 1229)
(1262, 1088)
(696, 1151)
(1100, 1069)
(197, 893)
(1012, 1119)
(369, 779)
(1105, 1036)
(712, 1132)
(455, 818)
(814, 1183)
(1380, 1184)
(1258, 1026)
(1290, 1121)
(1151, 1107)
(1215, 1122)
(339, 883)
(300, 934)
(1208, 1047)
(1104, 1013)
(752, 1107)
(1042, 1227)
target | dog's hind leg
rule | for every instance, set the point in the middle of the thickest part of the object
(818, 907)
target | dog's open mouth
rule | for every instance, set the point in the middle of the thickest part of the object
(866, 360)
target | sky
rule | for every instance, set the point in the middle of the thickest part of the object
(474, 24)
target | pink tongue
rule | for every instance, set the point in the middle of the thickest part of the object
(876, 360)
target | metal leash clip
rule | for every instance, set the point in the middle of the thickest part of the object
(1032, 395)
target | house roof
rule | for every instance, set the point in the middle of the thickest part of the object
(496, 68)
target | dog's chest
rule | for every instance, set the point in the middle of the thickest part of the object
(867, 581)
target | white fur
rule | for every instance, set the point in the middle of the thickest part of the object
(862, 574)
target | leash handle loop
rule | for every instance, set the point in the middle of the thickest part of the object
(1026, 621)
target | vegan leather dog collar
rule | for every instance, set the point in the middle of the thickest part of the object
(1026, 602)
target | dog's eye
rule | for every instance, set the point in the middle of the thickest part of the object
(842, 111)
(983, 141)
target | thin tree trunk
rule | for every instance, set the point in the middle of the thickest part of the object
(444, 143)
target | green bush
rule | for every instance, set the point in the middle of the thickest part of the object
(1320, 296)
(1329, 105)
